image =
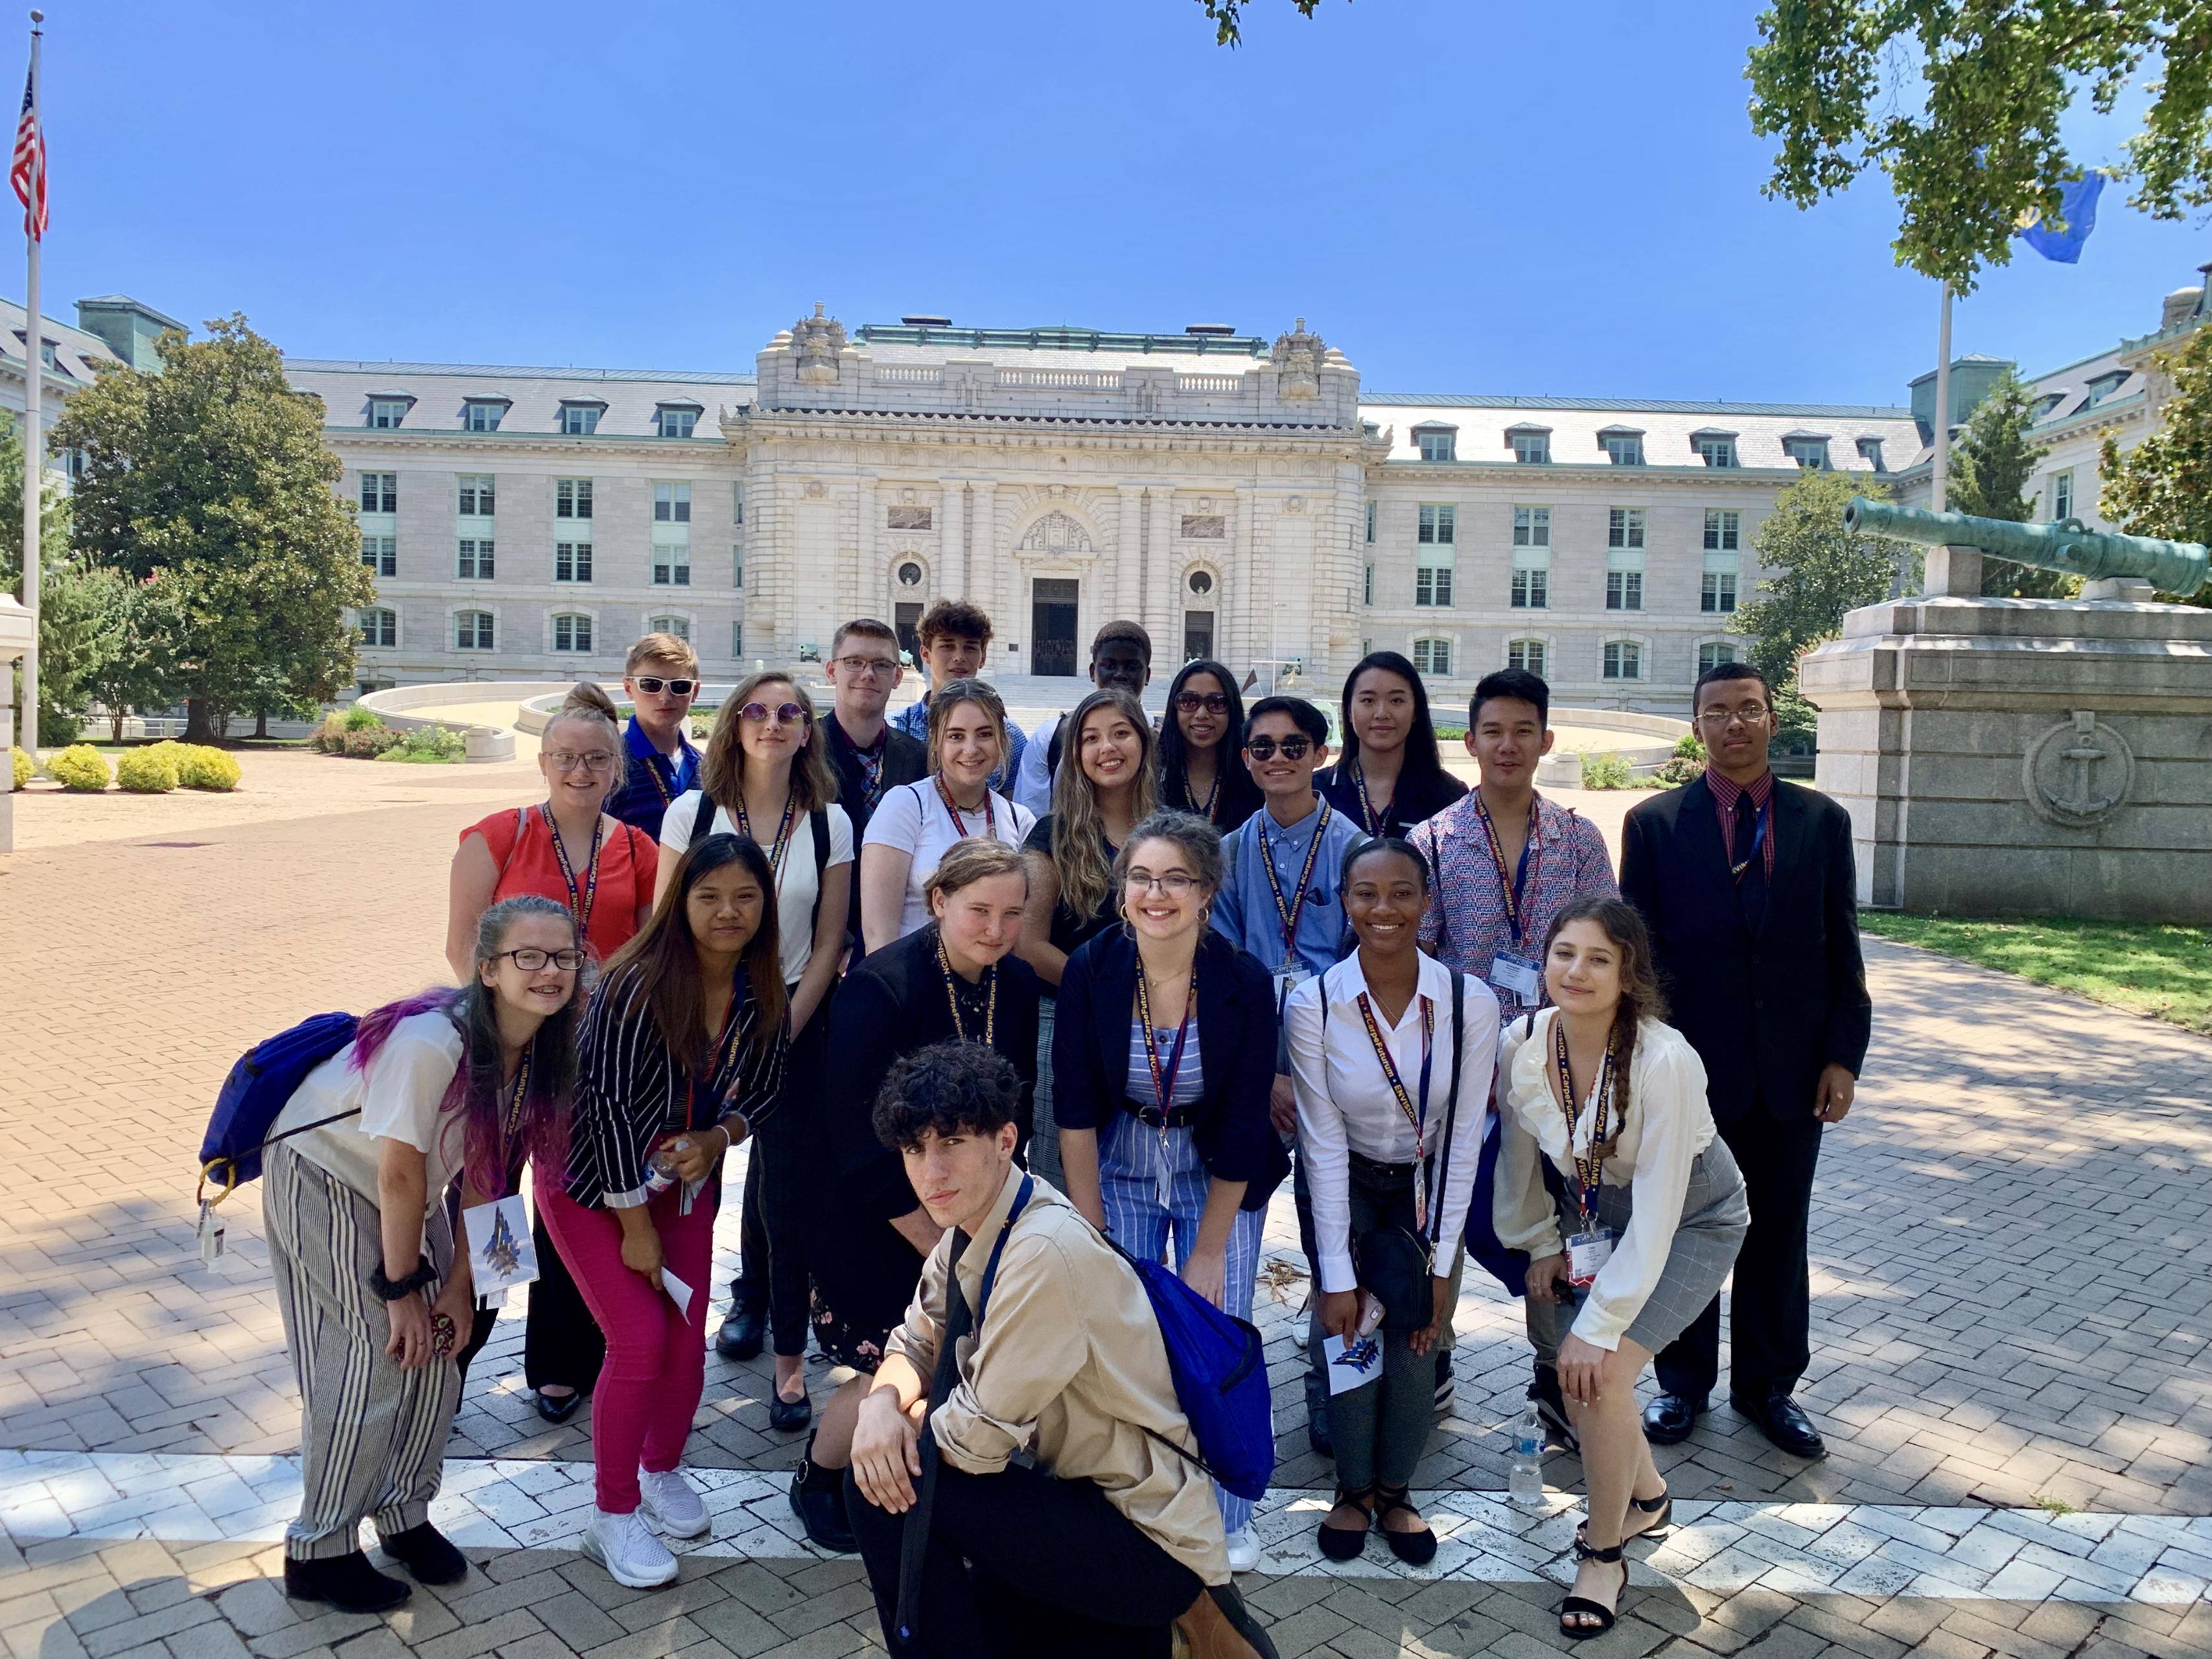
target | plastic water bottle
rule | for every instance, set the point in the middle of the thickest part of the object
(660, 1168)
(1524, 1480)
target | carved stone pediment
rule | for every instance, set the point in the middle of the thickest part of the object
(818, 340)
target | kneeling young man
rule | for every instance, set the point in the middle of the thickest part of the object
(1107, 1537)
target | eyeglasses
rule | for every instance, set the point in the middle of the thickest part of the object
(566, 759)
(1263, 749)
(783, 714)
(530, 959)
(1176, 884)
(880, 667)
(1213, 702)
(1720, 718)
(653, 686)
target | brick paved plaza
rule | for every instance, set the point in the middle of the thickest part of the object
(2012, 1260)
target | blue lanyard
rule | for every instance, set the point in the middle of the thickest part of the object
(1758, 838)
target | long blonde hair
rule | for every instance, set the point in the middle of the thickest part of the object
(1079, 837)
(722, 768)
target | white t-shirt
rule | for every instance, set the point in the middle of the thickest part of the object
(795, 886)
(398, 1098)
(915, 818)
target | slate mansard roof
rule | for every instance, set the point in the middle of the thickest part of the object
(533, 397)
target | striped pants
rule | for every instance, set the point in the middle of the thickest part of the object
(1132, 1165)
(372, 1442)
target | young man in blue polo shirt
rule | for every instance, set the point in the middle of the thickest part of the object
(660, 676)
(1279, 900)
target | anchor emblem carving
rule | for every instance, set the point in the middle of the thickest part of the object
(2078, 773)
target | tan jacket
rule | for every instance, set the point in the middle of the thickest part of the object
(1068, 1366)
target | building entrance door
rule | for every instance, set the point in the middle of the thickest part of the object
(903, 621)
(1197, 634)
(1052, 626)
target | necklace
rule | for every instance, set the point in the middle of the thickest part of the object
(952, 998)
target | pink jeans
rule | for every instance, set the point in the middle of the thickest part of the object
(656, 1365)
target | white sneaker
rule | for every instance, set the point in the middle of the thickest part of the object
(1299, 1328)
(1243, 1550)
(669, 1500)
(627, 1548)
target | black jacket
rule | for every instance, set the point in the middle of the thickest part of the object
(1412, 802)
(1236, 1054)
(905, 760)
(1765, 1008)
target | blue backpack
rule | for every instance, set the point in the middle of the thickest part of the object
(259, 1085)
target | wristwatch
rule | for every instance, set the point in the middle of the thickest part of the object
(392, 1291)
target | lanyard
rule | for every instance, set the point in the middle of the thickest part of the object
(1373, 823)
(1420, 1120)
(782, 830)
(1288, 914)
(1587, 1169)
(723, 1044)
(990, 817)
(990, 1005)
(1163, 1078)
(509, 1163)
(1510, 890)
(1212, 795)
(580, 904)
(1758, 838)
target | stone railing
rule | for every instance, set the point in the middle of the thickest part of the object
(1209, 383)
(1060, 379)
(908, 374)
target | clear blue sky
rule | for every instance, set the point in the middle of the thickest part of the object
(1464, 196)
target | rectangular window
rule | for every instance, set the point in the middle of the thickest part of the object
(1205, 526)
(738, 639)
(1811, 453)
(579, 420)
(1532, 448)
(737, 504)
(1432, 656)
(477, 495)
(572, 498)
(1625, 448)
(2062, 496)
(1716, 449)
(1532, 584)
(677, 422)
(1718, 597)
(472, 631)
(1371, 523)
(1624, 526)
(379, 492)
(1870, 452)
(1527, 655)
(385, 413)
(572, 561)
(481, 417)
(381, 554)
(1624, 660)
(671, 503)
(1723, 530)
(671, 564)
(572, 633)
(1532, 526)
(1437, 446)
(737, 567)
(1439, 524)
(908, 518)
(1432, 584)
(1623, 589)
(473, 560)
(379, 627)
(1368, 591)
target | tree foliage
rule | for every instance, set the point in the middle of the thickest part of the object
(72, 610)
(209, 479)
(1227, 17)
(1978, 140)
(2163, 486)
(1816, 571)
(1994, 457)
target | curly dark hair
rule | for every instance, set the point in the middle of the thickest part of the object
(957, 1087)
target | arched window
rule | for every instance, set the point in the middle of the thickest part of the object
(1624, 660)
(380, 627)
(1713, 653)
(680, 626)
(472, 631)
(1433, 656)
(1532, 655)
(572, 631)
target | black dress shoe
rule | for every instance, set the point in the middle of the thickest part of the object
(347, 1583)
(1552, 1410)
(1669, 1418)
(556, 1407)
(818, 1499)
(789, 1415)
(1782, 1420)
(428, 1554)
(742, 1333)
(1444, 1380)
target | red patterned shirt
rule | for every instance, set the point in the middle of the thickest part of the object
(1725, 795)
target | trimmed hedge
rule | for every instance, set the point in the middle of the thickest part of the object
(146, 771)
(79, 769)
(23, 766)
(203, 768)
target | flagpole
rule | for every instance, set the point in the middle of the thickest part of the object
(35, 443)
(1940, 471)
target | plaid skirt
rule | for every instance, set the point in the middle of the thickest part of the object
(1715, 1216)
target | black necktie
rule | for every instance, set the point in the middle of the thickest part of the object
(1750, 860)
(913, 1538)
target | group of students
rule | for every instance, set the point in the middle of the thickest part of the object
(1093, 979)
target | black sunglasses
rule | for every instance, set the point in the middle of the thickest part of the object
(1213, 702)
(1263, 749)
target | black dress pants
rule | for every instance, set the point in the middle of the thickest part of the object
(1021, 1564)
(1770, 1299)
(787, 1179)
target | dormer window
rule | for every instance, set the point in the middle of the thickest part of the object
(1870, 452)
(2047, 406)
(579, 417)
(1715, 448)
(1531, 445)
(1809, 450)
(1623, 447)
(388, 411)
(2105, 385)
(676, 420)
(1437, 443)
(484, 414)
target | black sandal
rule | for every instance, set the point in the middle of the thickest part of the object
(1342, 1543)
(1662, 1506)
(1415, 1549)
(1581, 1607)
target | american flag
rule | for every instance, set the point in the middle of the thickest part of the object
(27, 173)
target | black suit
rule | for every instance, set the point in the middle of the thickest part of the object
(1768, 996)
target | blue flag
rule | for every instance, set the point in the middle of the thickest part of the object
(2077, 205)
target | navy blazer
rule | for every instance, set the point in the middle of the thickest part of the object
(1236, 1054)
(1766, 1008)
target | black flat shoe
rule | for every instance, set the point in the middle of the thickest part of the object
(789, 1415)
(556, 1407)
(1345, 1543)
(1415, 1549)
(428, 1554)
(742, 1333)
(346, 1582)
(1782, 1421)
(1669, 1418)
(818, 1499)
(1581, 1607)
(1225, 1597)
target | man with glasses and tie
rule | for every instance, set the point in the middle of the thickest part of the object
(868, 753)
(660, 676)
(1748, 884)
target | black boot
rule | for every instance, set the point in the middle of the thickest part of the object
(428, 1554)
(347, 1583)
(818, 1499)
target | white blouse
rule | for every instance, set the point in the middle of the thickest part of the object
(1668, 1124)
(1345, 1101)
(915, 819)
(398, 1097)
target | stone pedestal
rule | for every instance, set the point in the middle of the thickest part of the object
(2023, 757)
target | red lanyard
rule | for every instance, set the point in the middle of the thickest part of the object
(1288, 914)
(782, 830)
(1512, 886)
(719, 1058)
(1163, 1078)
(1587, 1169)
(1419, 1119)
(990, 817)
(580, 904)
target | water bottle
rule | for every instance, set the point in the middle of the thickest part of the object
(660, 1169)
(1524, 1480)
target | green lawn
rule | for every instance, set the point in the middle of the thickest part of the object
(2150, 969)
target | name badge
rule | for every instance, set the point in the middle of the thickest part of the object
(1515, 978)
(1288, 978)
(1586, 1253)
(502, 1254)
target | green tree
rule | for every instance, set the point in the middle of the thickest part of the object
(133, 674)
(70, 640)
(211, 474)
(1981, 142)
(1816, 571)
(1227, 17)
(1995, 457)
(2163, 486)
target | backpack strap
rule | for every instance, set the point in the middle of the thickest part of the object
(702, 819)
(818, 821)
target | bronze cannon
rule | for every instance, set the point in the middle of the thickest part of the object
(2170, 566)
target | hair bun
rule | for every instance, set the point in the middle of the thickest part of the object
(588, 697)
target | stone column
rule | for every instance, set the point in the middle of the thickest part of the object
(1129, 560)
(1160, 611)
(862, 586)
(952, 550)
